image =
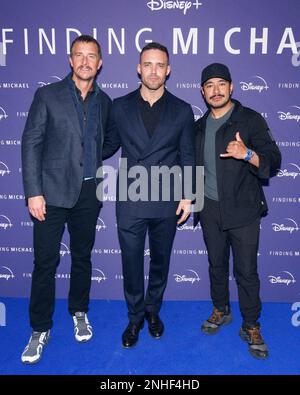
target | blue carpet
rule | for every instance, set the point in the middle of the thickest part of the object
(183, 350)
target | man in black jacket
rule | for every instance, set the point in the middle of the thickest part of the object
(237, 150)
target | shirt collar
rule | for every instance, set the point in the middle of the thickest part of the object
(95, 88)
(160, 100)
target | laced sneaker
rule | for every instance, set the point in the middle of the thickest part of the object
(215, 321)
(33, 351)
(257, 346)
(83, 331)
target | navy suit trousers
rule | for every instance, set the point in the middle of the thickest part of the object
(132, 234)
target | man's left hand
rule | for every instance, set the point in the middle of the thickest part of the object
(235, 149)
(185, 206)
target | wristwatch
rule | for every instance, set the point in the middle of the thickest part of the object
(249, 155)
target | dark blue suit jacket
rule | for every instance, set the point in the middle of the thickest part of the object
(172, 144)
(52, 145)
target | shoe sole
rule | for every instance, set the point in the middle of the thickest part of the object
(155, 337)
(258, 356)
(31, 363)
(214, 331)
(128, 347)
(84, 340)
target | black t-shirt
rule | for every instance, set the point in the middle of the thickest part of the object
(151, 114)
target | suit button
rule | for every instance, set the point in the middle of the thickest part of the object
(80, 164)
(82, 144)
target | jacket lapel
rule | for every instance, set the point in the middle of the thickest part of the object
(134, 117)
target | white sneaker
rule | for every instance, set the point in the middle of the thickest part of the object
(33, 351)
(83, 331)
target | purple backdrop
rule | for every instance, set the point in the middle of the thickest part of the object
(258, 40)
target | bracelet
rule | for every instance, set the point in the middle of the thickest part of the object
(249, 155)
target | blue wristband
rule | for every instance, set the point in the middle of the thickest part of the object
(249, 155)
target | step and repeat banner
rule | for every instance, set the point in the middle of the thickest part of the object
(258, 40)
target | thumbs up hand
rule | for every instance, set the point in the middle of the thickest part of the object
(235, 149)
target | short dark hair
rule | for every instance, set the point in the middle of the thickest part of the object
(85, 38)
(155, 45)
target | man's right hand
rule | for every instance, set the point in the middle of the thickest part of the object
(37, 207)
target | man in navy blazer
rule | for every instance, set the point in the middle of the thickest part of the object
(61, 151)
(155, 130)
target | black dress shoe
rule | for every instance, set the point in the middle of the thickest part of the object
(131, 334)
(155, 325)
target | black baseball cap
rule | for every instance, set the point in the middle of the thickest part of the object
(215, 70)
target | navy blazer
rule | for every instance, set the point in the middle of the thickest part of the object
(52, 144)
(172, 144)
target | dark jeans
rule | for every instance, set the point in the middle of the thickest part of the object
(81, 221)
(244, 244)
(132, 233)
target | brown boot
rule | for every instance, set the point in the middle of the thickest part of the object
(257, 346)
(215, 321)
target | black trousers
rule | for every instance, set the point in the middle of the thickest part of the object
(132, 234)
(81, 221)
(244, 244)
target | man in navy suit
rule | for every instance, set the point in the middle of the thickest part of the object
(61, 151)
(154, 129)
